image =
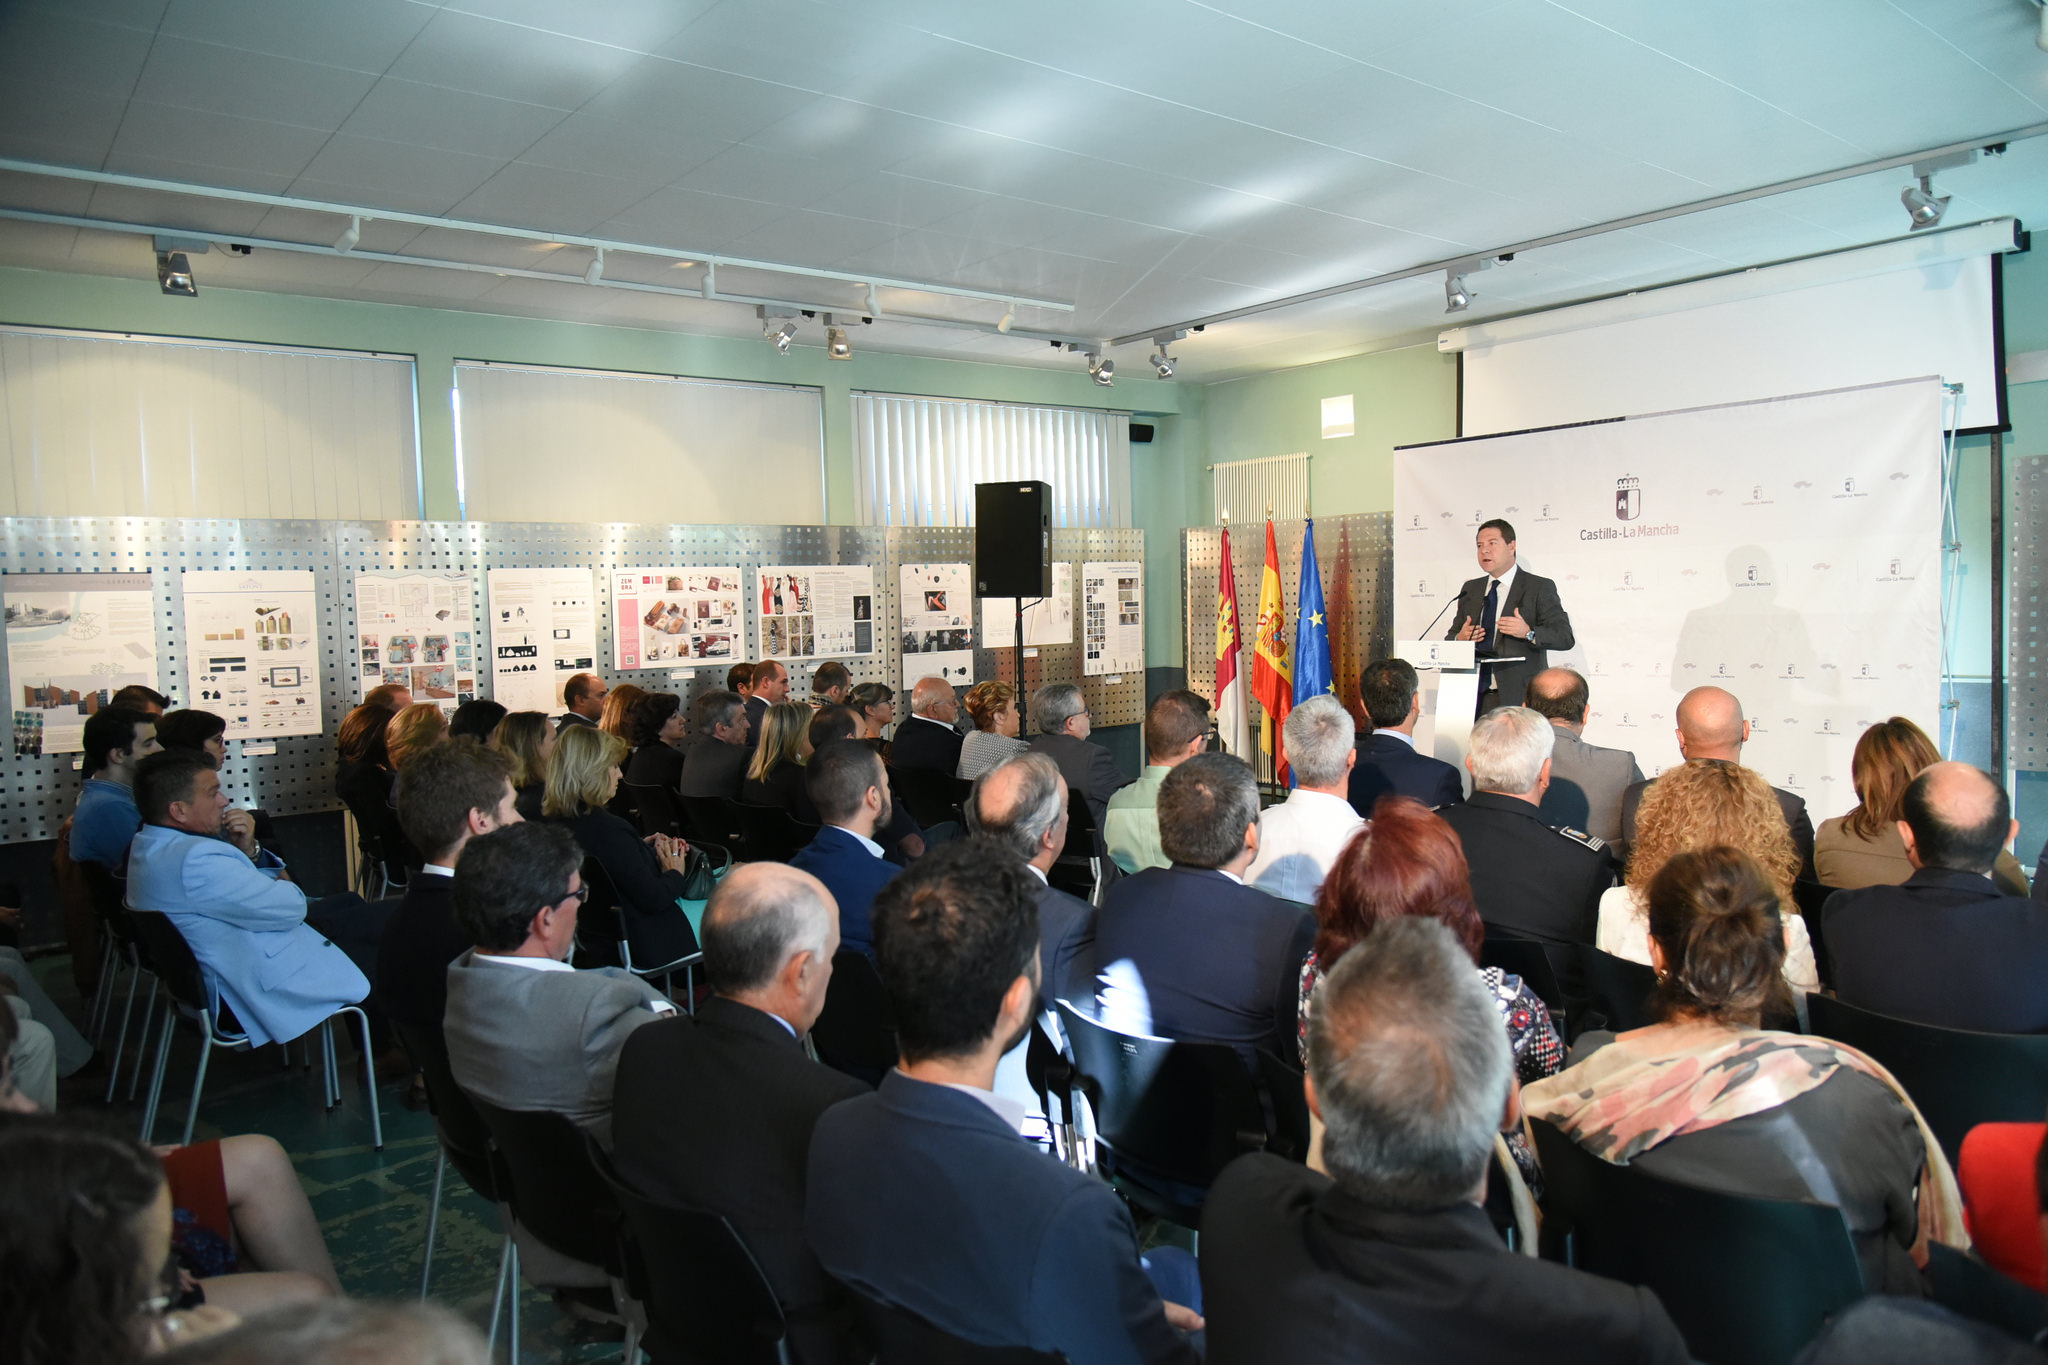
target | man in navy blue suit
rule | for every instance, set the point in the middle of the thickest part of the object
(1388, 764)
(847, 785)
(1189, 951)
(1020, 807)
(925, 1195)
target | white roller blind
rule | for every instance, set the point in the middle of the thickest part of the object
(1245, 489)
(95, 424)
(919, 459)
(538, 444)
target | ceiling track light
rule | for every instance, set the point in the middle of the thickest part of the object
(1923, 205)
(1161, 361)
(1458, 290)
(837, 347)
(595, 271)
(1100, 367)
(174, 274)
(778, 327)
(1009, 316)
(347, 241)
(874, 305)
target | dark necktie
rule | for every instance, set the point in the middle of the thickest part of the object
(1487, 621)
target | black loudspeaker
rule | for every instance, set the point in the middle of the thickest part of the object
(1141, 433)
(1013, 539)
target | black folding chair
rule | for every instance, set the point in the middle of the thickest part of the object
(465, 1142)
(614, 929)
(658, 809)
(1963, 1284)
(856, 1031)
(707, 820)
(898, 1336)
(1605, 991)
(1747, 1280)
(1285, 1091)
(1530, 960)
(769, 833)
(931, 797)
(1957, 1078)
(1078, 869)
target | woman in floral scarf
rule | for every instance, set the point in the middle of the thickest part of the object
(1709, 1098)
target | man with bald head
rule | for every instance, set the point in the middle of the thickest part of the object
(715, 1112)
(1586, 780)
(1711, 726)
(1019, 808)
(1947, 947)
(926, 740)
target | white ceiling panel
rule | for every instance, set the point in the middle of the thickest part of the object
(399, 175)
(809, 238)
(636, 25)
(365, 35)
(747, 172)
(466, 52)
(67, 49)
(156, 133)
(64, 125)
(689, 219)
(523, 193)
(453, 120)
(691, 102)
(591, 143)
(226, 80)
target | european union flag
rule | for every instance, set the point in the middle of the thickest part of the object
(1313, 675)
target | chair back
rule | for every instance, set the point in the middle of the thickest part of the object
(544, 1173)
(1963, 1284)
(769, 833)
(856, 1030)
(931, 797)
(709, 821)
(1957, 1078)
(1166, 1110)
(1078, 869)
(706, 1296)
(1787, 1263)
(658, 809)
(171, 958)
(1810, 898)
(456, 1121)
(898, 1336)
(1282, 1082)
(1526, 958)
(600, 923)
(1612, 988)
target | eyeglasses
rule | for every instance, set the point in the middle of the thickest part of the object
(581, 893)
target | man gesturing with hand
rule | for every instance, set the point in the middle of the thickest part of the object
(1513, 616)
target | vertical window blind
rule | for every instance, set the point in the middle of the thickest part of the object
(1244, 489)
(98, 424)
(919, 458)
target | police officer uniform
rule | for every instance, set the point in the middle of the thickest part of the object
(1529, 879)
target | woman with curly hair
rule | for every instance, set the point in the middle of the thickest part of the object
(1863, 848)
(994, 708)
(1708, 804)
(616, 718)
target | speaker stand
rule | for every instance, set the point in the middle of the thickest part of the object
(1018, 656)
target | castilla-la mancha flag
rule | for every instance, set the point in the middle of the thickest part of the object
(1232, 723)
(1272, 668)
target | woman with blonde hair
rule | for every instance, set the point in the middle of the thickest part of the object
(616, 718)
(1706, 804)
(646, 874)
(1863, 847)
(993, 705)
(419, 726)
(775, 777)
(528, 740)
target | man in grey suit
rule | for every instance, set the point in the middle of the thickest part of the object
(1586, 781)
(1514, 617)
(1020, 807)
(1061, 714)
(525, 1030)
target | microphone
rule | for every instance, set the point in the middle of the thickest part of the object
(1440, 614)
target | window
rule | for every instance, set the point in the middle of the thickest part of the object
(1337, 418)
(918, 459)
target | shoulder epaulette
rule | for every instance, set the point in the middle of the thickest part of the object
(1579, 836)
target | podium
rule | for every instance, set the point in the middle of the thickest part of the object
(1449, 676)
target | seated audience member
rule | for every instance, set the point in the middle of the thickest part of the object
(51, 1045)
(1707, 805)
(851, 793)
(1300, 838)
(1390, 1256)
(583, 696)
(898, 834)
(363, 780)
(28, 1058)
(875, 704)
(1188, 950)
(1864, 847)
(140, 698)
(417, 728)
(1061, 714)
(830, 684)
(716, 1112)
(1177, 728)
(448, 796)
(393, 697)
(1998, 1171)
(116, 740)
(243, 1228)
(1530, 880)
(654, 727)
(85, 1236)
(1020, 807)
(1711, 726)
(1388, 762)
(1405, 864)
(477, 718)
(618, 706)
(927, 741)
(775, 773)
(718, 760)
(992, 706)
(200, 731)
(771, 687)
(829, 722)
(645, 873)
(739, 679)
(1586, 780)
(1709, 1098)
(343, 1332)
(1946, 948)
(1009, 1247)
(517, 891)
(282, 963)
(526, 738)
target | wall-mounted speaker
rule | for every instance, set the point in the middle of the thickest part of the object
(1013, 539)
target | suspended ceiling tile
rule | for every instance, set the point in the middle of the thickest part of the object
(635, 25)
(465, 52)
(210, 216)
(690, 220)
(223, 80)
(523, 195)
(426, 282)
(156, 135)
(452, 120)
(145, 15)
(810, 47)
(399, 175)
(61, 125)
(43, 193)
(193, 172)
(691, 103)
(67, 49)
(890, 198)
(365, 35)
(748, 172)
(803, 237)
(597, 145)
(862, 137)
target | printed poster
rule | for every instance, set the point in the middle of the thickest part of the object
(1112, 618)
(938, 623)
(671, 618)
(1050, 622)
(73, 640)
(252, 643)
(815, 611)
(543, 632)
(416, 630)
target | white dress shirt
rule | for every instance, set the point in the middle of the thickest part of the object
(1299, 840)
(1401, 735)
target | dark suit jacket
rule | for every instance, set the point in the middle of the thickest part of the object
(569, 718)
(756, 708)
(656, 765)
(714, 768)
(1945, 948)
(1221, 963)
(853, 876)
(1528, 878)
(1089, 770)
(716, 1113)
(1796, 820)
(1516, 660)
(926, 744)
(656, 926)
(1387, 767)
(1298, 1271)
(784, 789)
(420, 939)
(921, 1196)
(1066, 947)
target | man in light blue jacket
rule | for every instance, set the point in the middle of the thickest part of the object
(281, 964)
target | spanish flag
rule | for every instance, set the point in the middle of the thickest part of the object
(1232, 726)
(1272, 667)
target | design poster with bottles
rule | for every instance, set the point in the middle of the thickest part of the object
(252, 643)
(418, 631)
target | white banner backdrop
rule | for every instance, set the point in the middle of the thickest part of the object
(1788, 550)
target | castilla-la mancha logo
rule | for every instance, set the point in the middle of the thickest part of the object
(1628, 498)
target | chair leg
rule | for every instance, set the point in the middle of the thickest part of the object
(198, 1084)
(142, 1037)
(103, 994)
(433, 1221)
(505, 1255)
(156, 1080)
(369, 1079)
(121, 1038)
(512, 1353)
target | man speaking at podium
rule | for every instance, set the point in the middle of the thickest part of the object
(1513, 616)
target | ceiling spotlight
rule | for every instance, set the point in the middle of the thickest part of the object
(595, 271)
(1163, 363)
(874, 307)
(347, 241)
(1922, 204)
(1009, 316)
(778, 329)
(174, 274)
(1457, 297)
(1100, 368)
(837, 347)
